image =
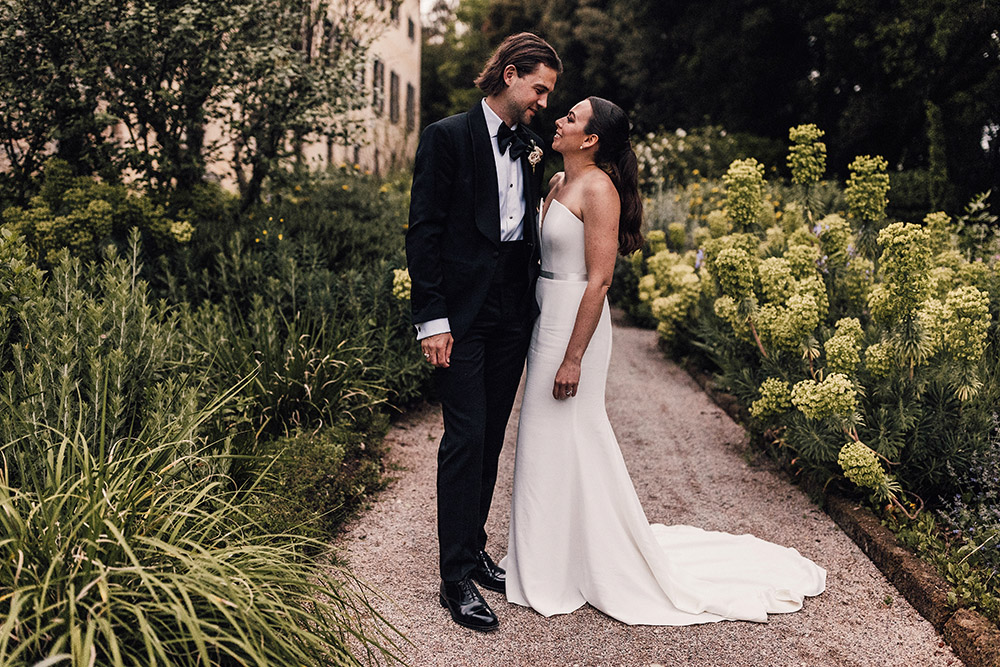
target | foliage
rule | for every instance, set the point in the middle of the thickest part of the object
(86, 216)
(129, 551)
(870, 74)
(127, 86)
(320, 479)
(158, 449)
(894, 353)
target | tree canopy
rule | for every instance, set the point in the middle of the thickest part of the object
(916, 81)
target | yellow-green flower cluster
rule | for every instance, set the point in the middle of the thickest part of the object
(867, 188)
(401, 284)
(718, 223)
(861, 465)
(938, 226)
(656, 241)
(745, 192)
(775, 398)
(776, 278)
(850, 326)
(880, 359)
(802, 260)
(858, 279)
(842, 354)
(834, 238)
(672, 288)
(834, 396)
(727, 309)
(967, 313)
(676, 235)
(787, 325)
(807, 154)
(906, 261)
(735, 270)
(181, 230)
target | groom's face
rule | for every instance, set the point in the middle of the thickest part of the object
(527, 95)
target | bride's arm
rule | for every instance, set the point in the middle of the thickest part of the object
(601, 208)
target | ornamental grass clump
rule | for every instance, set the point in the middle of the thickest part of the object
(127, 552)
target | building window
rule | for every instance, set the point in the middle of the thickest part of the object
(411, 107)
(378, 87)
(411, 29)
(393, 98)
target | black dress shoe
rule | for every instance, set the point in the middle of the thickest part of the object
(488, 574)
(467, 606)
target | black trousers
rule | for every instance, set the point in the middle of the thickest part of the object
(477, 393)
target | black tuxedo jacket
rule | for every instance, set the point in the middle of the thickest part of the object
(453, 237)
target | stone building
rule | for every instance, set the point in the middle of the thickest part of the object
(392, 116)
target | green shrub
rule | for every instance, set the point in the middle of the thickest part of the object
(320, 479)
(130, 551)
(85, 216)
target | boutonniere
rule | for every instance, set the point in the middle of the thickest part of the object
(535, 155)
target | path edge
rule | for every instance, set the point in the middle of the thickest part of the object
(971, 636)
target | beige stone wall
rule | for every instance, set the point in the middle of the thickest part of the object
(392, 116)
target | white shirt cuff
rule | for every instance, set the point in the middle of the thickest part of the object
(433, 328)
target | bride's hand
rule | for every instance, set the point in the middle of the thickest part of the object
(567, 380)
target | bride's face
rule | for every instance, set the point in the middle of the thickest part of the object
(570, 133)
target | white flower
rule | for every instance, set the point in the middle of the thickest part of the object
(535, 156)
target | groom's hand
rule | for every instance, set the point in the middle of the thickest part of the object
(437, 349)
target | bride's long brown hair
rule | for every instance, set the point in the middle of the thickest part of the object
(616, 157)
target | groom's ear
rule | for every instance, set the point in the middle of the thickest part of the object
(509, 74)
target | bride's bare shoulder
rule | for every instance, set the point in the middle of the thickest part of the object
(599, 187)
(556, 179)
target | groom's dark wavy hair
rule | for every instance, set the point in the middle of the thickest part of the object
(524, 51)
(616, 157)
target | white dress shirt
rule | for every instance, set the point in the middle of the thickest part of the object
(510, 186)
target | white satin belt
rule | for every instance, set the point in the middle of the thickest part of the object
(574, 277)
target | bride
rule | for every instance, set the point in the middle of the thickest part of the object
(577, 531)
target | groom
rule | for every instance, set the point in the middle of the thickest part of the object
(472, 252)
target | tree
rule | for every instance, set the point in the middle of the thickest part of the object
(297, 71)
(52, 58)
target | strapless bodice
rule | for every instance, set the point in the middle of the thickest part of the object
(563, 249)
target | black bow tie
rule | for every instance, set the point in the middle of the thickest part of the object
(515, 140)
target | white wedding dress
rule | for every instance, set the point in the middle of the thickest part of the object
(577, 531)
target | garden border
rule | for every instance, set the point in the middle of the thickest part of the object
(971, 636)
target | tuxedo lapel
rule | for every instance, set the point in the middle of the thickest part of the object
(487, 199)
(530, 199)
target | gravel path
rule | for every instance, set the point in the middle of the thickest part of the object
(690, 465)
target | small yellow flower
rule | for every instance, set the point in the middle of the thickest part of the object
(345, 187)
(281, 219)
(695, 172)
(257, 240)
(298, 188)
(343, 165)
(281, 236)
(368, 172)
(777, 214)
(265, 232)
(269, 218)
(357, 167)
(384, 188)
